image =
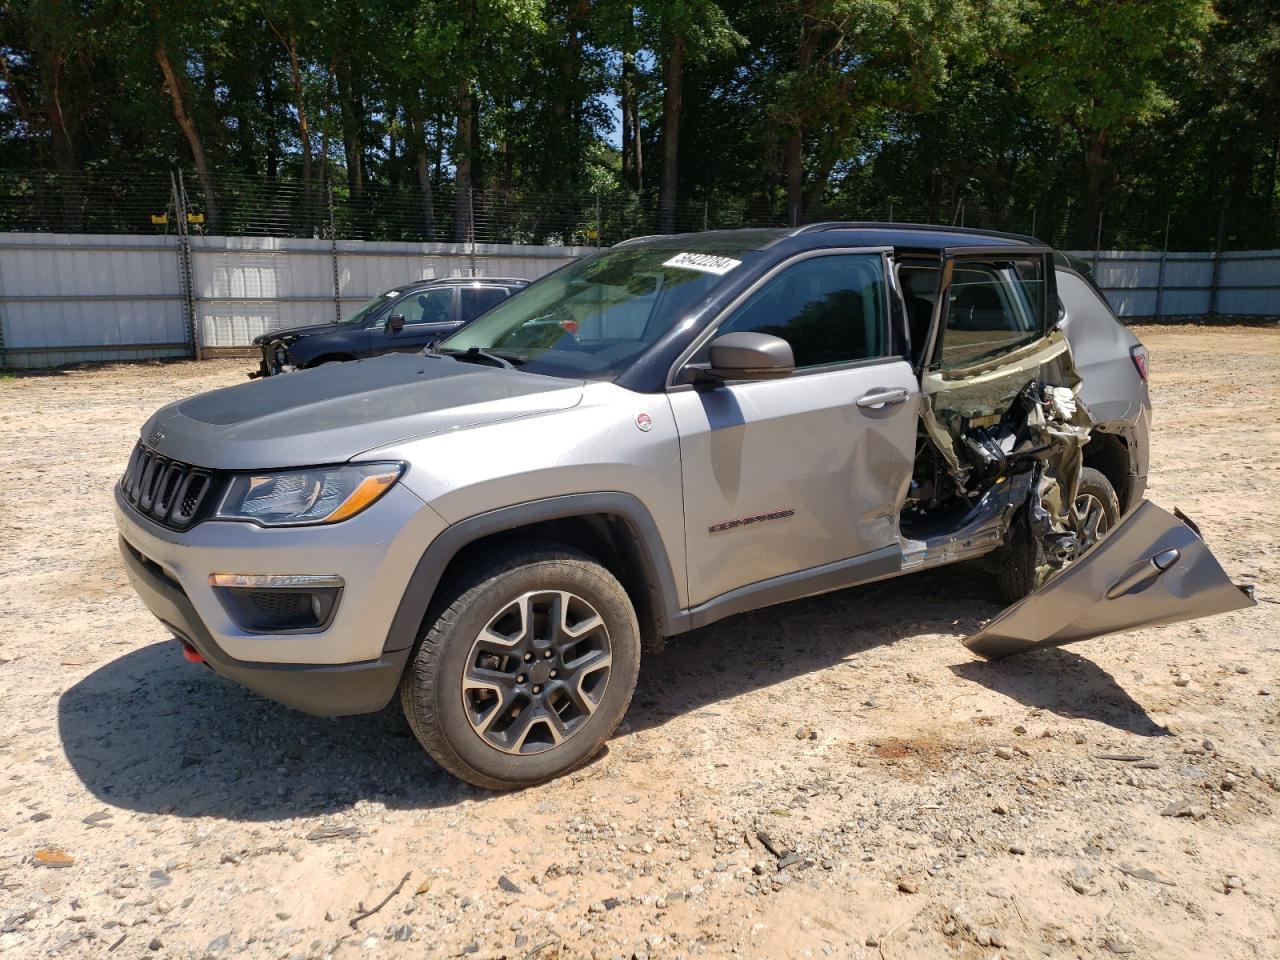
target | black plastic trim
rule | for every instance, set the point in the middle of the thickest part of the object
(876, 565)
(671, 619)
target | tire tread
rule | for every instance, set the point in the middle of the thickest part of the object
(456, 595)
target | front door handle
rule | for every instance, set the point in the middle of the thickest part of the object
(878, 399)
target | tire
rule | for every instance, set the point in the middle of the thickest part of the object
(466, 642)
(1017, 576)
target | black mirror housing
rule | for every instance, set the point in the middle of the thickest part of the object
(750, 356)
(395, 323)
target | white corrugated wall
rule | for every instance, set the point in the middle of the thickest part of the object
(66, 298)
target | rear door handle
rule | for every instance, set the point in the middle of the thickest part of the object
(877, 399)
(1141, 575)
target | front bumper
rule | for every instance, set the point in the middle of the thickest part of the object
(276, 359)
(353, 664)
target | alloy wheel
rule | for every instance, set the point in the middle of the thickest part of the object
(1091, 519)
(536, 672)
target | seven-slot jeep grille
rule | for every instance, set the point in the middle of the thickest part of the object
(165, 490)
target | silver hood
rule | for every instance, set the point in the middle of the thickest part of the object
(333, 413)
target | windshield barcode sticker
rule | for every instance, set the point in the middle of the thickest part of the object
(703, 263)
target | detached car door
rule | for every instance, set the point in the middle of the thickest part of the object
(1150, 569)
(788, 475)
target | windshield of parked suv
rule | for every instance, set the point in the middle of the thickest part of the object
(369, 307)
(594, 317)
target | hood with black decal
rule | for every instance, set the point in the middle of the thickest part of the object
(333, 413)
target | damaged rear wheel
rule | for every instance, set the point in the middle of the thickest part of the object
(1026, 568)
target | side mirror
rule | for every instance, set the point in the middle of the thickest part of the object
(750, 356)
(395, 323)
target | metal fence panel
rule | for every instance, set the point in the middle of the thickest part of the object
(1153, 284)
(65, 298)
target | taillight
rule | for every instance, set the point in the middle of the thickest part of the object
(1140, 360)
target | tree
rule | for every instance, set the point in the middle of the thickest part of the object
(1101, 69)
(175, 84)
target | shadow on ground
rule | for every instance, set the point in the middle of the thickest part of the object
(150, 732)
(1064, 683)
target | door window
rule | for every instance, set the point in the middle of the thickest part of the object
(432, 305)
(478, 300)
(831, 309)
(993, 309)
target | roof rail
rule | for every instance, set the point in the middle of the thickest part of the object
(874, 225)
(647, 236)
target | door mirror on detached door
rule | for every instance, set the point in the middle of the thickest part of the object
(750, 356)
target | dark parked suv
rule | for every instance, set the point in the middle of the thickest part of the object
(402, 320)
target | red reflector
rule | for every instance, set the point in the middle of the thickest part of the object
(191, 654)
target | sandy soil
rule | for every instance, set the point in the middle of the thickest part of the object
(919, 802)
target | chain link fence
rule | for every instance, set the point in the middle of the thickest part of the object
(141, 202)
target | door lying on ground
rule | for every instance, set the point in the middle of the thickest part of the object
(1152, 568)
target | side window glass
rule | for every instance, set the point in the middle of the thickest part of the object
(432, 305)
(993, 308)
(478, 300)
(830, 309)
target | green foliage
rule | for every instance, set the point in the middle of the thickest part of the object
(1068, 113)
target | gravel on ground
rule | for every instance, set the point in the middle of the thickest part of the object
(833, 777)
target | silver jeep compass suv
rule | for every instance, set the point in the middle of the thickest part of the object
(669, 432)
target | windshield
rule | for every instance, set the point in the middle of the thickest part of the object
(368, 308)
(593, 318)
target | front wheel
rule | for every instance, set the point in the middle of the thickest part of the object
(1095, 511)
(524, 668)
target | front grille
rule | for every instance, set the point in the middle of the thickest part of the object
(169, 492)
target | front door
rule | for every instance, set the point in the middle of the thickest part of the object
(789, 475)
(429, 314)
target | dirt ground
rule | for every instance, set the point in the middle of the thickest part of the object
(834, 777)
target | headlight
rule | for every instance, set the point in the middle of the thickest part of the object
(319, 495)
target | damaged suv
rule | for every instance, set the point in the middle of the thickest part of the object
(648, 440)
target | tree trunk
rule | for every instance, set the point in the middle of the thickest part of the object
(793, 160)
(818, 187)
(326, 122)
(1095, 163)
(64, 151)
(272, 138)
(462, 164)
(477, 148)
(793, 166)
(423, 163)
(188, 126)
(290, 43)
(672, 94)
(632, 152)
(353, 148)
(393, 159)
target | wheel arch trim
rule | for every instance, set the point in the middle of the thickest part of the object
(651, 550)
